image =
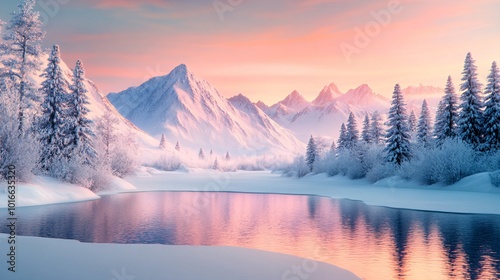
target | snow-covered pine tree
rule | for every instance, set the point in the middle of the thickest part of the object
(20, 54)
(177, 146)
(352, 135)
(366, 134)
(470, 121)
(19, 150)
(492, 111)
(228, 157)
(343, 137)
(377, 132)
(80, 136)
(52, 124)
(216, 165)
(412, 122)
(447, 114)
(211, 152)
(333, 148)
(424, 127)
(201, 154)
(163, 142)
(398, 139)
(311, 153)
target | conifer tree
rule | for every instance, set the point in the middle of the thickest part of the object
(177, 146)
(80, 126)
(447, 114)
(216, 165)
(342, 138)
(201, 154)
(412, 122)
(311, 154)
(377, 132)
(352, 134)
(163, 142)
(20, 54)
(52, 123)
(492, 111)
(470, 121)
(424, 129)
(398, 139)
(333, 148)
(366, 132)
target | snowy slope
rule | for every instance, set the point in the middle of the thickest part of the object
(191, 111)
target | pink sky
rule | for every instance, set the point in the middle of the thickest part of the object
(267, 49)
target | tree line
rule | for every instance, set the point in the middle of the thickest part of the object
(464, 139)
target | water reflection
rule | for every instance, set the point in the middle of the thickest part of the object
(373, 242)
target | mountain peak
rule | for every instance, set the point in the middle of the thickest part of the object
(262, 106)
(364, 89)
(240, 98)
(327, 95)
(294, 99)
(180, 70)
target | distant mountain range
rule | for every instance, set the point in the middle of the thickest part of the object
(324, 115)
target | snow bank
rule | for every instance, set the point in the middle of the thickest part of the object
(41, 258)
(46, 190)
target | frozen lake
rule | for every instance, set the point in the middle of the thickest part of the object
(372, 242)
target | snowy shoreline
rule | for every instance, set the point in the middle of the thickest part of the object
(70, 259)
(473, 195)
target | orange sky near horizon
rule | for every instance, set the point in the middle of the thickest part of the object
(266, 50)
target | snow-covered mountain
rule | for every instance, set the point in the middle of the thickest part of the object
(327, 95)
(324, 115)
(191, 111)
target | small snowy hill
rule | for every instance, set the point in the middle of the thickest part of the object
(191, 111)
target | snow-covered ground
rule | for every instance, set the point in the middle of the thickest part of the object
(42, 258)
(45, 190)
(474, 194)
